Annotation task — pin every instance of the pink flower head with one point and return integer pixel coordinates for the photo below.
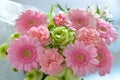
(107, 32)
(29, 19)
(41, 33)
(51, 62)
(80, 18)
(88, 36)
(59, 19)
(105, 59)
(81, 58)
(23, 53)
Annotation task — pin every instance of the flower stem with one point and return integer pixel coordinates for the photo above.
(44, 76)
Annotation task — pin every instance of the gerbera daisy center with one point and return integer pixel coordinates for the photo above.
(82, 22)
(26, 53)
(103, 29)
(80, 57)
(31, 23)
(99, 57)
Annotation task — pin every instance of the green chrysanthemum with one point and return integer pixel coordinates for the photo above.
(13, 36)
(70, 76)
(3, 50)
(52, 78)
(62, 36)
(34, 75)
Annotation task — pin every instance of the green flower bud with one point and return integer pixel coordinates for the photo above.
(61, 36)
(15, 70)
(13, 36)
(3, 50)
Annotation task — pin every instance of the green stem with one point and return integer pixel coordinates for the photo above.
(44, 76)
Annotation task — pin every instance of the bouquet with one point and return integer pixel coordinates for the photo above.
(65, 46)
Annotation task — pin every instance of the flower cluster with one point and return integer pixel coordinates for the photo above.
(64, 46)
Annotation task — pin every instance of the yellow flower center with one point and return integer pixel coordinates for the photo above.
(79, 22)
(99, 57)
(102, 29)
(31, 23)
(80, 58)
(26, 54)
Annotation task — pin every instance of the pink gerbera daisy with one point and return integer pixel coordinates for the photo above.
(29, 19)
(23, 53)
(88, 36)
(107, 32)
(105, 59)
(51, 62)
(80, 18)
(41, 32)
(81, 58)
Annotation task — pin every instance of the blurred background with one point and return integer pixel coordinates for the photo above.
(10, 9)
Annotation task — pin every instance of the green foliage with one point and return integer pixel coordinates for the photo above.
(98, 10)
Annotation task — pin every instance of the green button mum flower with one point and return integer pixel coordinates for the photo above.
(13, 36)
(70, 76)
(52, 78)
(34, 75)
(3, 50)
(62, 36)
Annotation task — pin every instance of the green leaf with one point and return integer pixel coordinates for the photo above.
(98, 10)
(51, 14)
(58, 5)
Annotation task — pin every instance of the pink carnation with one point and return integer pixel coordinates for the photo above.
(81, 58)
(59, 19)
(105, 59)
(88, 36)
(29, 19)
(41, 33)
(51, 62)
(80, 18)
(23, 53)
(107, 32)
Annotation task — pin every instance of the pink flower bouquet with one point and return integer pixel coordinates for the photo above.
(64, 46)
